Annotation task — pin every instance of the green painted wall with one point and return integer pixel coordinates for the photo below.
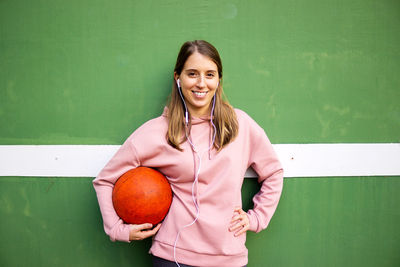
(307, 71)
(90, 72)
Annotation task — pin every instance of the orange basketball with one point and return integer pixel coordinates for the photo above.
(142, 195)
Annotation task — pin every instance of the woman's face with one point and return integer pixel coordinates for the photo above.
(199, 80)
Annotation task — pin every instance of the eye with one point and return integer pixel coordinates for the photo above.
(192, 74)
(210, 75)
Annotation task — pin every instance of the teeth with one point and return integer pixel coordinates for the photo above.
(199, 93)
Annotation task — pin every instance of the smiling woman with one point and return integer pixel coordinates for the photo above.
(204, 147)
(198, 81)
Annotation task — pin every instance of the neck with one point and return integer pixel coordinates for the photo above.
(200, 113)
(205, 111)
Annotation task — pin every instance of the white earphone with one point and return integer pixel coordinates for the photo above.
(178, 82)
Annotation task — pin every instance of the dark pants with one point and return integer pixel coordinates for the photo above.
(159, 262)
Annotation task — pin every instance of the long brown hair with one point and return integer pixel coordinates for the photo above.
(224, 117)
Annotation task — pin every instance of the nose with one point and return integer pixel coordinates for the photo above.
(201, 82)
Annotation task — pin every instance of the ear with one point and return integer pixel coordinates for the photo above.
(176, 77)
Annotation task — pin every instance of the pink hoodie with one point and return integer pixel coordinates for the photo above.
(208, 241)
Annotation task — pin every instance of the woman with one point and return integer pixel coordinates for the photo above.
(204, 147)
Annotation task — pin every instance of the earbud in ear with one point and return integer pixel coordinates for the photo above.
(178, 82)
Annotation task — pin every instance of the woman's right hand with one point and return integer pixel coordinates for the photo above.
(142, 231)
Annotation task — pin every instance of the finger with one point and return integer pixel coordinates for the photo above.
(243, 218)
(155, 230)
(238, 215)
(238, 210)
(144, 226)
(235, 227)
(242, 231)
(241, 222)
(148, 233)
(235, 219)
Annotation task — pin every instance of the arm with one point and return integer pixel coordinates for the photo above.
(265, 163)
(124, 159)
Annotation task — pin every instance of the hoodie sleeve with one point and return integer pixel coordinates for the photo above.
(124, 159)
(265, 163)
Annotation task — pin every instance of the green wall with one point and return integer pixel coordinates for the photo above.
(90, 72)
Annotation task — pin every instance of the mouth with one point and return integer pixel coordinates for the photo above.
(200, 93)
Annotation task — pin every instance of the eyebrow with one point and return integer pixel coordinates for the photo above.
(197, 70)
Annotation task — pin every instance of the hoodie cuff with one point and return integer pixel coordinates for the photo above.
(253, 221)
(121, 233)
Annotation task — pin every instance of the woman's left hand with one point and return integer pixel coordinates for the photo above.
(240, 222)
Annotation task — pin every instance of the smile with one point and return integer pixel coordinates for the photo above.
(199, 94)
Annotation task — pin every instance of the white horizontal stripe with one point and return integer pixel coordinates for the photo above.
(298, 160)
(318, 160)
